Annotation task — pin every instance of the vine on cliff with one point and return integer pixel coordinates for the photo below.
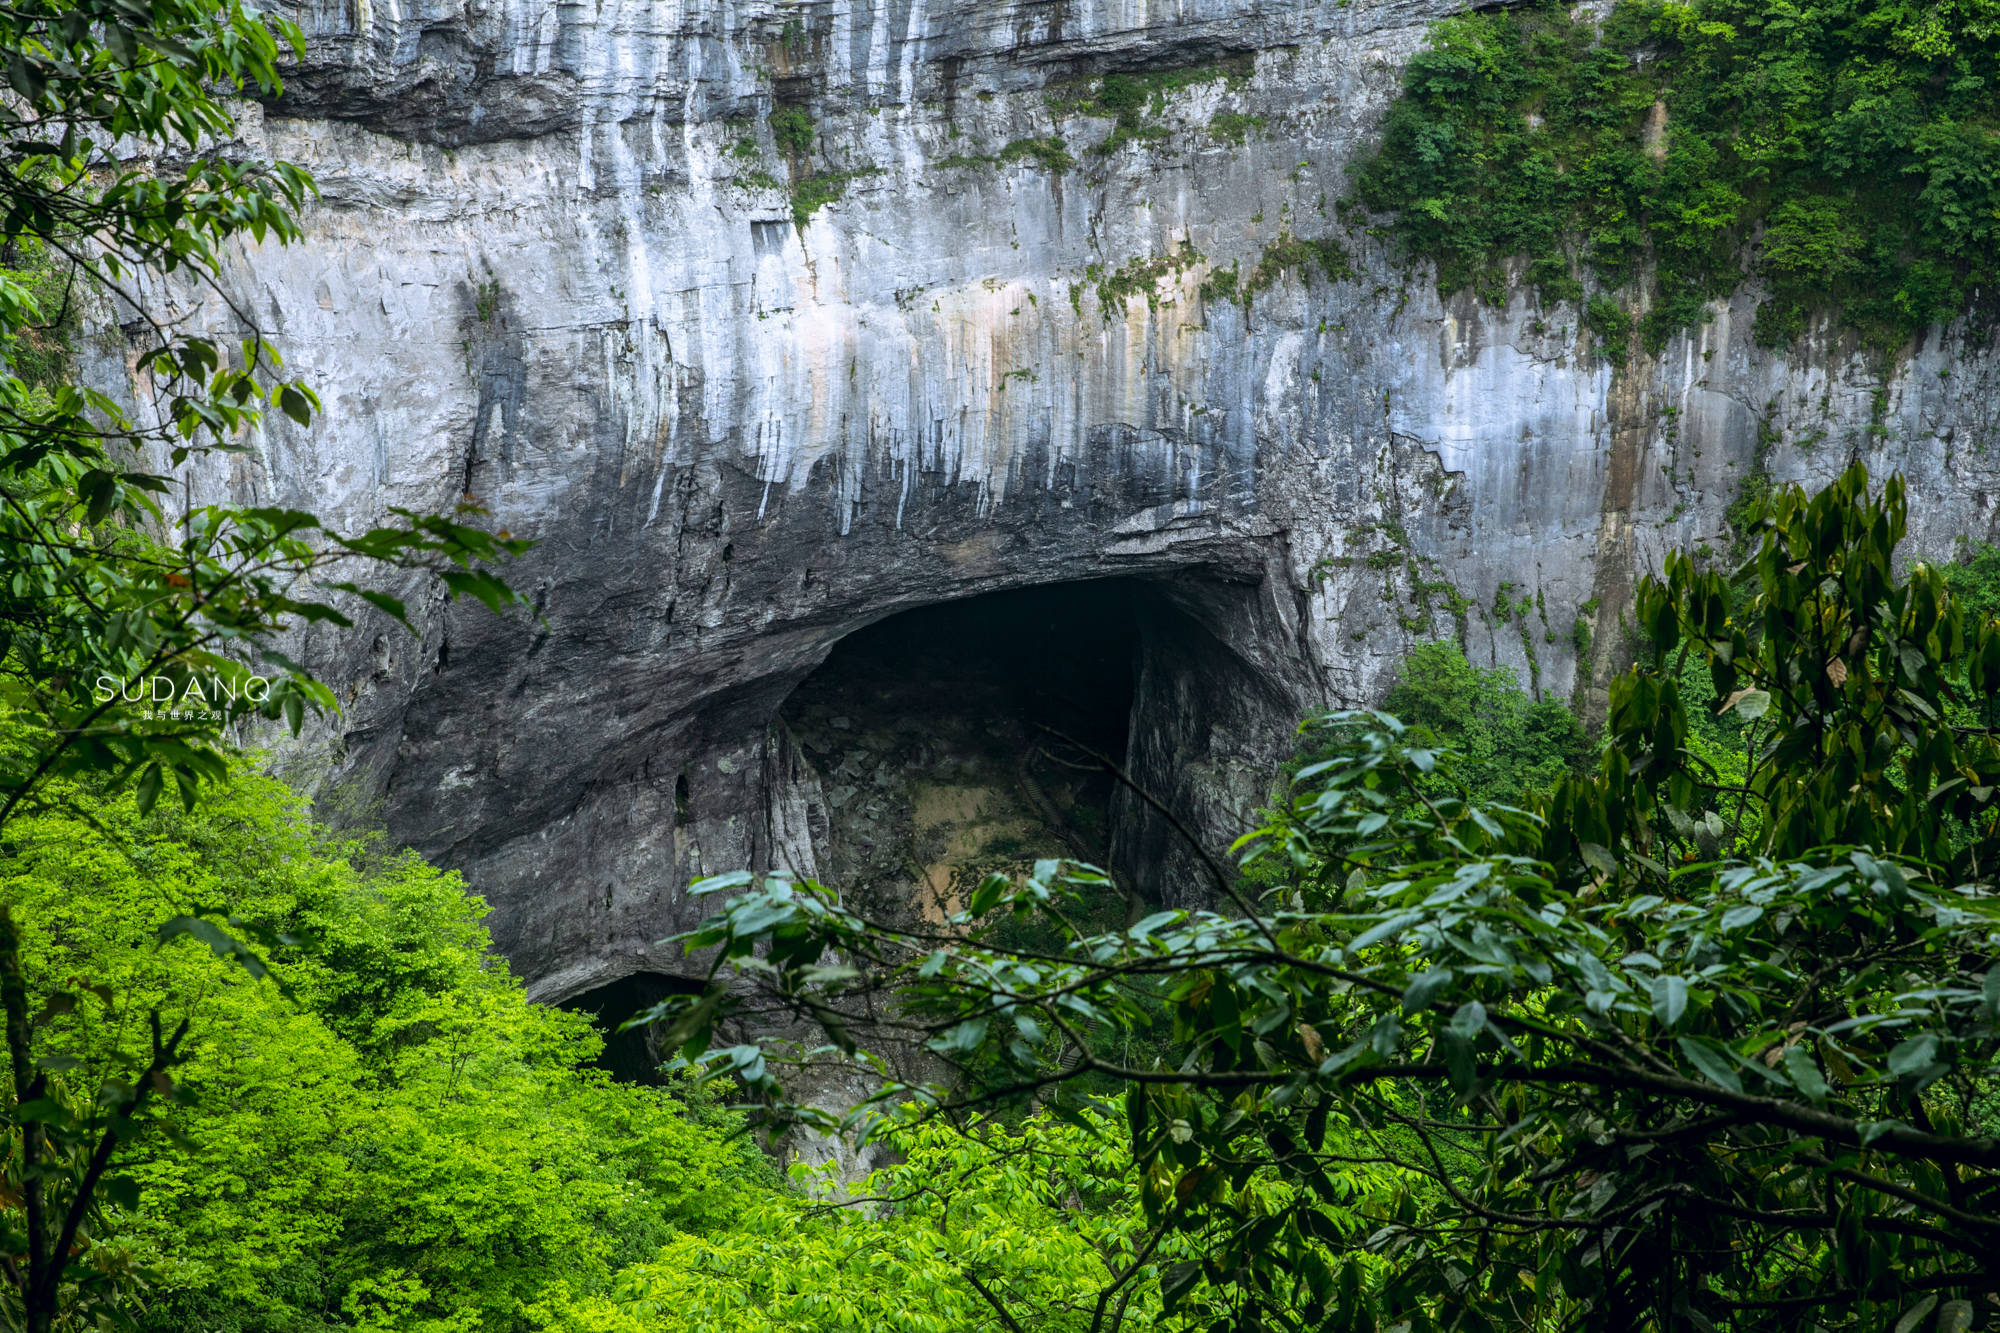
(1846, 153)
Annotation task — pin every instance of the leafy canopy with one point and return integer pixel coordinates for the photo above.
(116, 177)
(981, 1227)
(1509, 746)
(1842, 151)
(397, 1139)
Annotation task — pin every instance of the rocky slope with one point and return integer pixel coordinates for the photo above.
(770, 320)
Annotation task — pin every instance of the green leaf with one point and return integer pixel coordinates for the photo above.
(27, 77)
(1382, 930)
(1747, 704)
(1916, 1314)
(1736, 918)
(1714, 1064)
(1469, 1021)
(150, 783)
(1670, 999)
(1913, 1056)
(1599, 859)
(1875, 1129)
(1176, 1282)
(99, 491)
(295, 405)
(987, 896)
(1805, 1074)
(1424, 988)
(1459, 1062)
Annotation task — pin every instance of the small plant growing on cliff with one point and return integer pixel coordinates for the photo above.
(1232, 127)
(792, 130)
(1579, 632)
(811, 193)
(1288, 252)
(1050, 153)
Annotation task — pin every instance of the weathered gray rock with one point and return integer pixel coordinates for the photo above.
(544, 269)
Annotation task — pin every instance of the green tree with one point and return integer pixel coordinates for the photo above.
(1854, 682)
(1617, 1085)
(108, 598)
(1510, 747)
(397, 1139)
(1842, 151)
(978, 1227)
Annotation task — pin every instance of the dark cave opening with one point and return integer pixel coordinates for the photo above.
(943, 743)
(957, 739)
(633, 1056)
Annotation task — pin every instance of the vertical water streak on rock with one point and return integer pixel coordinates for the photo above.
(1628, 423)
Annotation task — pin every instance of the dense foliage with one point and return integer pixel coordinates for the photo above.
(396, 1139)
(1606, 1075)
(1842, 151)
(1509, 746)
(131, 634)
(1860, 690)
(1039, 1227)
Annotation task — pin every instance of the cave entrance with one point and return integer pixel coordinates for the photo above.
(634, 1056)
(959, 739)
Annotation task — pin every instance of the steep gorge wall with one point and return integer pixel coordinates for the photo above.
(556, 263)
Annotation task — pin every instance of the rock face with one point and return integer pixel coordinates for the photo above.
(757, 383)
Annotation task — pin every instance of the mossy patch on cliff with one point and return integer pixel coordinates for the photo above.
(812, 192)
(1048, 152)
(1135, 101)
(1233, 127)
(1140, 277)
(792, 130)
(1844, 152)
(1326, 254)
(33, 273)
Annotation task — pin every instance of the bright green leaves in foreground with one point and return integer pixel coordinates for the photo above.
(386, 1136)
(1854, 142)
(396, 1139)
(1583, 1073)
(1039, 1227)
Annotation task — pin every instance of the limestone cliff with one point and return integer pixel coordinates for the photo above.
(755, 383)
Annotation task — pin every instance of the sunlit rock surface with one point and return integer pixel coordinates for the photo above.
(555, 264)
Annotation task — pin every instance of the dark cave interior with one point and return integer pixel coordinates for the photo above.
(632, 1056)
(947, 742)
(960, 738)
